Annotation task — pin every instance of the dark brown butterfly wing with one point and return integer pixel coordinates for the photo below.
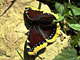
(35, 41)
(51, 31)
(37, 17)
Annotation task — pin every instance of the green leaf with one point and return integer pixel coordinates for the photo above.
(73, 9)
(59, 19)
(59, 7)
(79, 57)
(76, 10)
(79, 41)
(75, 40)
(70, 13)
(74, 26)
(67, 54)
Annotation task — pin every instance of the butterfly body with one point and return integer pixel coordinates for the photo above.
(42, 29)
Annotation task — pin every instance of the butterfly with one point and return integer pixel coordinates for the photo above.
(42, 29)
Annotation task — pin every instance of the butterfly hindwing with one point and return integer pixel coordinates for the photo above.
(35, 41)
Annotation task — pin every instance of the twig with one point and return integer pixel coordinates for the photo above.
(8, 8)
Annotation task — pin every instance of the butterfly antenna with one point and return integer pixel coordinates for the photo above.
(8, 8)
(39, 7)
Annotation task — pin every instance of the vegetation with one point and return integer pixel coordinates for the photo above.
(69, 18)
